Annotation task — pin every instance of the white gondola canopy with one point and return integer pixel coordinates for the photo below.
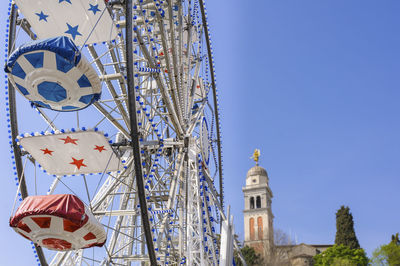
(72, 153)
(84, 21)
(53, 74)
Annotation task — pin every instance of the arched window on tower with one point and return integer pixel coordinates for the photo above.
(258, 202)
(251, 202)
(260, 228)
(252, 233)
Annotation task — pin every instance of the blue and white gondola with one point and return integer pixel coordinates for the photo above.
(53, 74)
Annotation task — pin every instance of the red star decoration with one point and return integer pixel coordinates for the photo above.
(78, 163)
(69, 140)
(46, 151)
(99, 148)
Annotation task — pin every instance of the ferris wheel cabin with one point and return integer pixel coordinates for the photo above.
(53, 74)
(58, 222)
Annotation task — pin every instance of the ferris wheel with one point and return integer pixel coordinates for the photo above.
(114, 132)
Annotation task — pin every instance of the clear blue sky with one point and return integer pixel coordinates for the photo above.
(315, 85)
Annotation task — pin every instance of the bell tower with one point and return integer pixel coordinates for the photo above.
(258, 217)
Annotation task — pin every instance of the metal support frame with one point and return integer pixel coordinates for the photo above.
(135, 134)
(195, 234)
(227, 232)
(176, 187)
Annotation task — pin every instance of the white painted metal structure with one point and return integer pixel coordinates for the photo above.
(176, 117)
(227, 238)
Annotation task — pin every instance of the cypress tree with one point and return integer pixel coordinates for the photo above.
(345, 229)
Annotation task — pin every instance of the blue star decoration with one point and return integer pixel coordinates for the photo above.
(42, 16)
(73, 31)
(60, 1)
(94, 8)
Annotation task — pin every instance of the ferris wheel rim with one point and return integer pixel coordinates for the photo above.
(14, 126)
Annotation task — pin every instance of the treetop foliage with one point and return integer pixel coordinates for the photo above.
(345, 234)
(341, 255)
(395, 239)
(388, 254)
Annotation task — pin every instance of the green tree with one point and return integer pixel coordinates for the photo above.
(345, 234)
(388, 254)
(250, 256)
(341, 255)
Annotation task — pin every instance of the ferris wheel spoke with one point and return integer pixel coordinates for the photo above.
(109, 189)
(185, 54)
(110, 118)
(155, 107)
(208, 205)
(109, 85)
(117, 226)
(180, 46)
(117, 62)
(171, 68)
(154, 102)
(172, 195)
(49, 122)
(176, 69)
(170, 105)
(196, 118)
(192, 84)
(190, 81)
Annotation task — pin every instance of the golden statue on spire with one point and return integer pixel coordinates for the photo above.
(256, 155)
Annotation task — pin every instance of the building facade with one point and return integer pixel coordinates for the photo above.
(258, 225)
(258, 217)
